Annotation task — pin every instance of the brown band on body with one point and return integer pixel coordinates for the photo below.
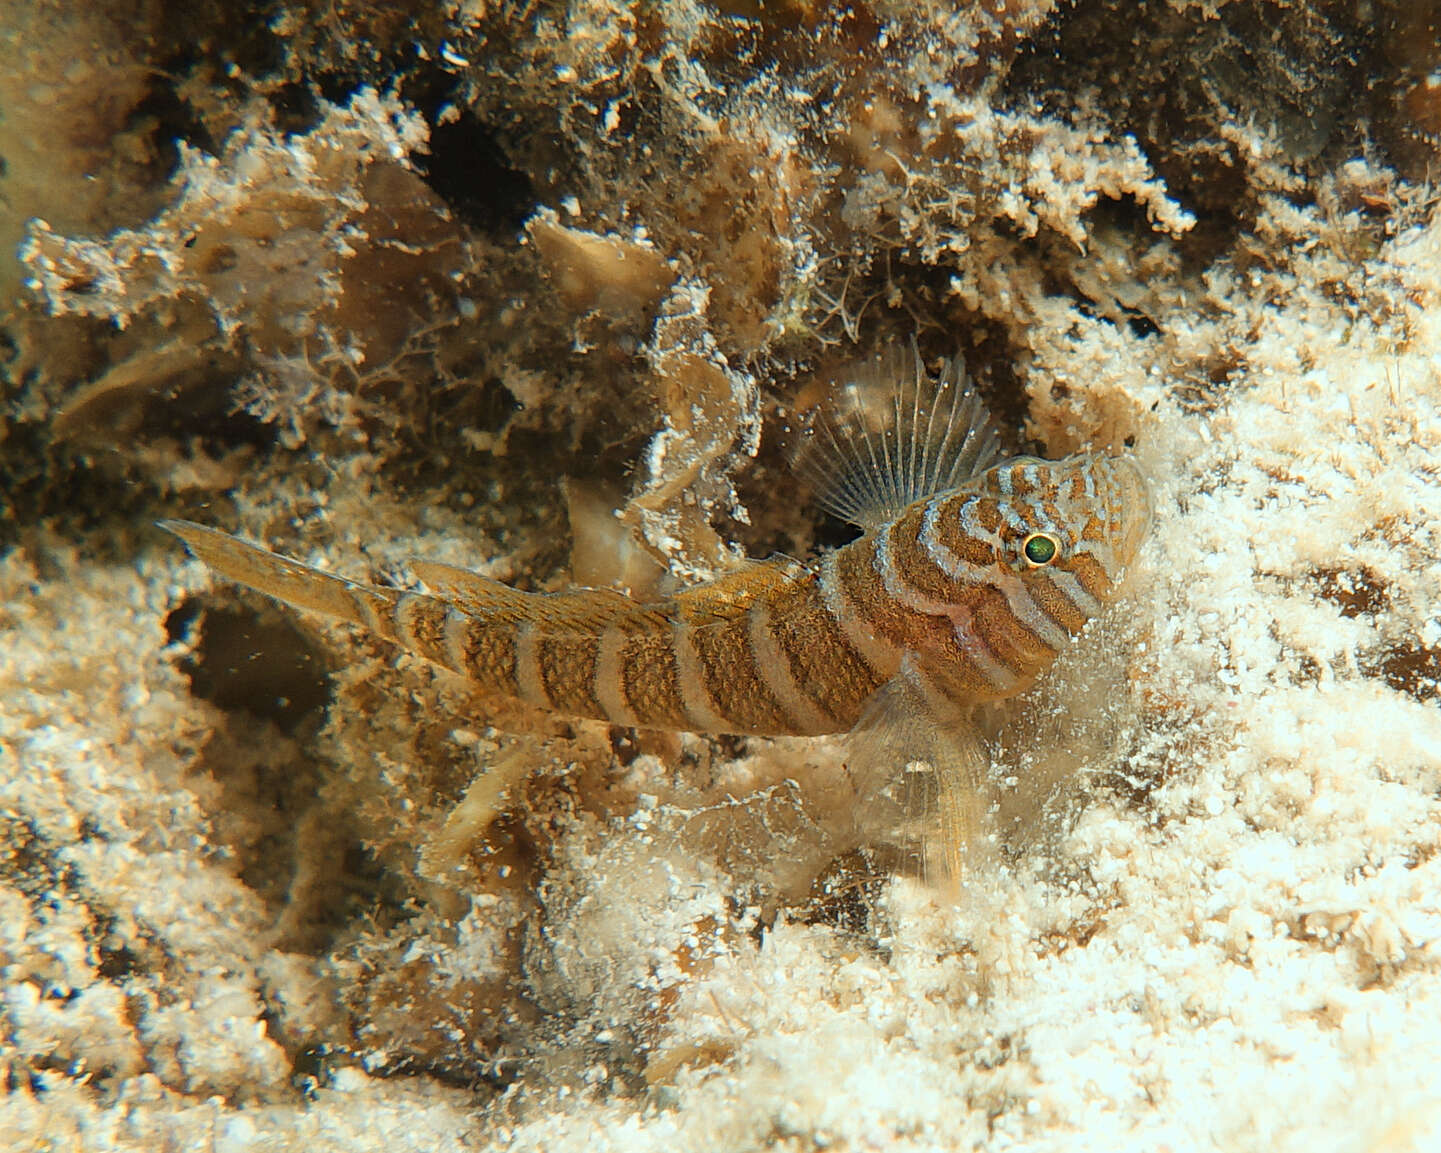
(567, 672)
(740, 693)
(914, 566)
(649, 682)
(822, 661)
(488, 649)
(1056, 605)
(864, 589)
(1014, 645)
(972, 549)
(1092, 575)
(420, 626)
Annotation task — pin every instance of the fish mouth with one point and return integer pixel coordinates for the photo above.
(1137, 507)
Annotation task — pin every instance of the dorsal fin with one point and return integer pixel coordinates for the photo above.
(469, 590)
(733, 594)
(895, 435)
(573, 611)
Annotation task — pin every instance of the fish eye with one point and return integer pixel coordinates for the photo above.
(1040, 548)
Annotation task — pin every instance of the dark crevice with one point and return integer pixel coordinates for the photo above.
(256, 662)
(467, 169)
(297, 107)
(168, 119)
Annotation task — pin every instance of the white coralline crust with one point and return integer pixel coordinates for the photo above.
(416, 920)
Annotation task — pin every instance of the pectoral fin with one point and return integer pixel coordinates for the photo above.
(922, 773)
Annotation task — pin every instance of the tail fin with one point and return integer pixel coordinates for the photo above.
(289, 581)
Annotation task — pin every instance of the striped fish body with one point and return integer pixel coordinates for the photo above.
(777, 648)
(968, 580)
(755, 652)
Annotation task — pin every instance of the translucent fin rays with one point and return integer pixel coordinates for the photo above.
(896, 435)
(921, 771)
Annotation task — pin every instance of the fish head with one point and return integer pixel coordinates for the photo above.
(1070, 529)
